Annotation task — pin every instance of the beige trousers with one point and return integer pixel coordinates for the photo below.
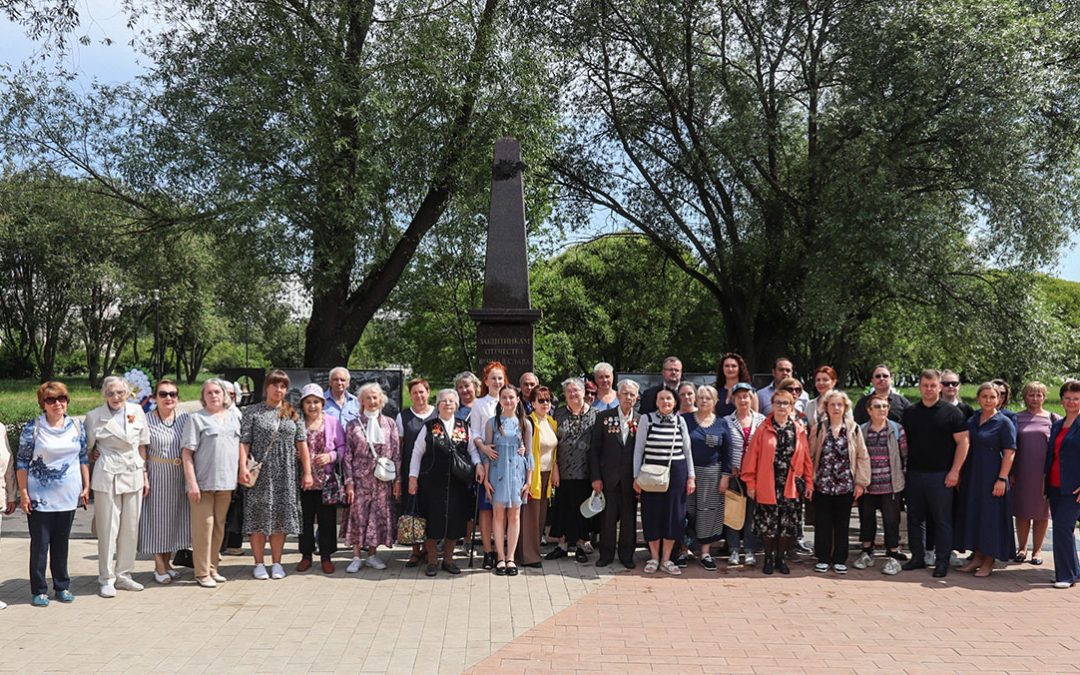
(208, 529)
(117, 520)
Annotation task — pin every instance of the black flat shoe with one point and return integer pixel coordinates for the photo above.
(511, 569)
(489, 561)
(941, 569)
(628, 563)
(451, 568)
(581, 556)
(913, 564)
(1036, 561)
(500, 569)
(603, 562)
(556, 553)
(413, 561)
(431, 570)
(781, 566)
(767, 566)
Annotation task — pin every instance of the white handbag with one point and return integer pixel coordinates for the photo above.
(384, 466)
(656, 477)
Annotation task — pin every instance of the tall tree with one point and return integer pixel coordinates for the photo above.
(824, 160)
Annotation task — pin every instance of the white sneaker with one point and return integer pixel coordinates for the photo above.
(3, 605)
(354, 566)
(374, 562)
(954, 560)
(734, 559)
(930, 559)
(107, 591)
(749, 558)
(260, 572)
(840, 568)
(821, 567)
(128, 584)
(891, 566)
(277, 571)
(863, 561)
(1062, 584)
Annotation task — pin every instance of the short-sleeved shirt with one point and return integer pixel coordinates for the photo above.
(215, 449)
(930, 429)
(834, 468)
(52, 459)
(710, 445)
(995, 435)
(343, 413)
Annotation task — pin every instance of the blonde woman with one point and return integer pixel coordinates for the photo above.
(841, 474)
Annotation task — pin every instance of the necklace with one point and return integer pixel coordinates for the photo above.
(167, 425)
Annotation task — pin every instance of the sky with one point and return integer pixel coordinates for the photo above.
(118, 62)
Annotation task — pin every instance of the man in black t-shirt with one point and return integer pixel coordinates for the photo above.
(937, 440)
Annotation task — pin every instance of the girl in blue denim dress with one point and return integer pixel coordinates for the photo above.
(508, 475)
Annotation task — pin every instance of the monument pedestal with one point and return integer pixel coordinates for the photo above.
(504, 325)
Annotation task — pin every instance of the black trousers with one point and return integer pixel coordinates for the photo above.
(312, 509)
(50, 532)
(928, 499)
(234, 521)
(621, 511)
(565, 511)
(889, 505)
(832, 513)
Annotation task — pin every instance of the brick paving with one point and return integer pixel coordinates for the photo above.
(746, 622)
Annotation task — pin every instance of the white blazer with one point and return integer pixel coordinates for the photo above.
(119, 468)
(8, 491)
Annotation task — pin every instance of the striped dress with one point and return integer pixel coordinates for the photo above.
(662, 439)
(165, 524)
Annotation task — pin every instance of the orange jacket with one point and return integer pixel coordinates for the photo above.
(757, 464)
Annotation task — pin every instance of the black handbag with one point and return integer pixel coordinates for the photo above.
(461, 466)
(183, 558)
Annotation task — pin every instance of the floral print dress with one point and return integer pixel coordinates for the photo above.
(780, 519)
(370, 521)
(272, 505)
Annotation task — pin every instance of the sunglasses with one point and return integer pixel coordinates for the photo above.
(168, 394)
(53, 400)
(950, 384)
(794, 390)
(542, 400)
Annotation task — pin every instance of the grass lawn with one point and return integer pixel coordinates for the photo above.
(18, 398)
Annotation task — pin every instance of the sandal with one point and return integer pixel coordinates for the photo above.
(414, 559)
(671, 568)
(1036, 561)
(500, 569)
(1020, 557)
(511, 568)
(651, 566)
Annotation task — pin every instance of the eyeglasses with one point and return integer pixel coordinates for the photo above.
(880, 406)
(950, 384)
(53, 400)
(168, 394)
(115, 394)
(882, 376)
(782, 404)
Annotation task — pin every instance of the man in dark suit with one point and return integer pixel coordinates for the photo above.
(611, 468)
(671, 372)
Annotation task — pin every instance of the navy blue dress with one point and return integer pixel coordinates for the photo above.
(984, 523)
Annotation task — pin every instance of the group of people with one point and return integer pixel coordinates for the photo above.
(507, 460)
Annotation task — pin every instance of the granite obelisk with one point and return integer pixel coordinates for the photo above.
(504, 325)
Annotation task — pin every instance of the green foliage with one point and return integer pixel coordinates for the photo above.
(816, 166)
(613, 300)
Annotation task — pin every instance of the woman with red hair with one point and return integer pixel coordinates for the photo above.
(492, 380)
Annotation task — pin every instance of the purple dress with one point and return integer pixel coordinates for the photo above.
(370, 521)
(1032, 438)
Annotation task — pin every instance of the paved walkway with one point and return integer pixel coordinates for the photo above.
(568, 618)
(745, 622)
(396, 620)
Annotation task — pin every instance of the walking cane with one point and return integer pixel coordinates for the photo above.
(472, 533)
